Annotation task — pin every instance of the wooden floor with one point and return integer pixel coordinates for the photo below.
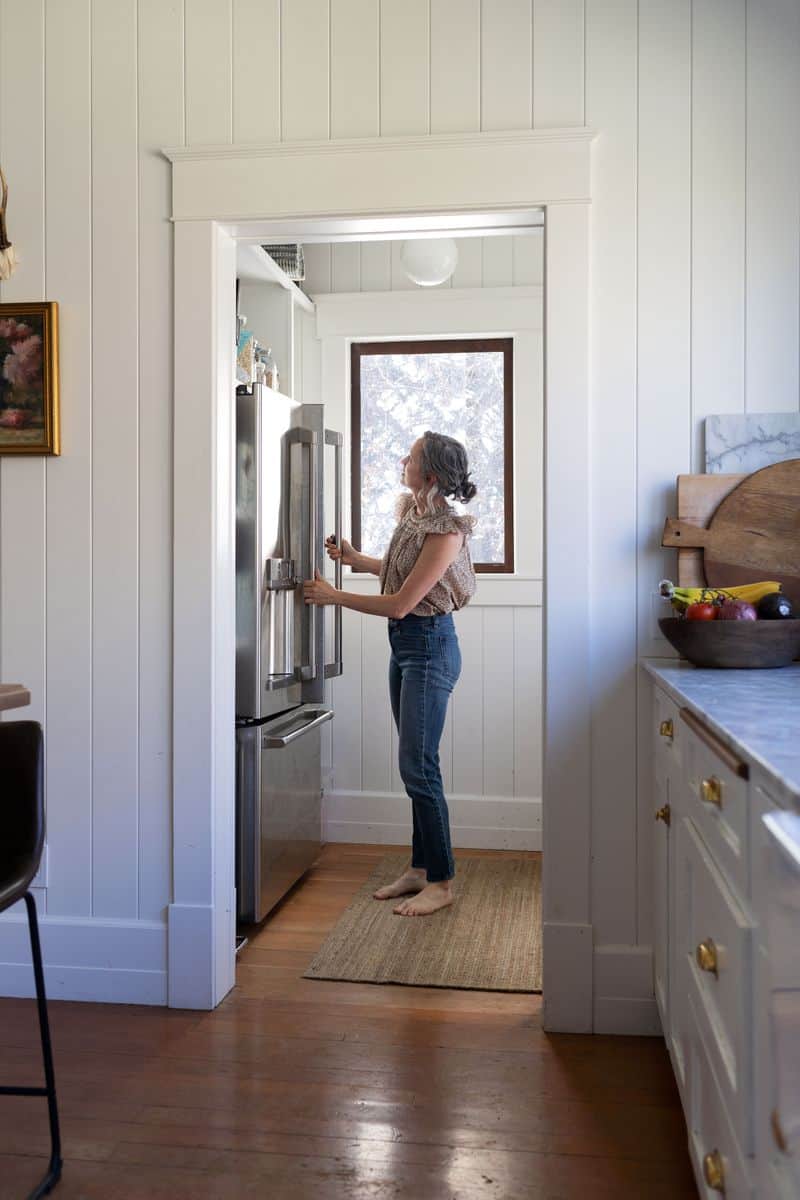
(298, 1088)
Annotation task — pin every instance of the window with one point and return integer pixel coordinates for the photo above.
(462, 388)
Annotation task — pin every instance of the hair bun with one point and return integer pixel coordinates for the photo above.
(468, 491)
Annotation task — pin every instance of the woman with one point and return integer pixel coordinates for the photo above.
(425, 575)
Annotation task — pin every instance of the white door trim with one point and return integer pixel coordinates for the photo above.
(448, 176)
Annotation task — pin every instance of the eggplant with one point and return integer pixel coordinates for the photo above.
(774, 607)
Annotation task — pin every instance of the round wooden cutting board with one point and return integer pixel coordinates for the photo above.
(754, 534)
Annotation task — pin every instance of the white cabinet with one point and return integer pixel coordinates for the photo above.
(711, 967)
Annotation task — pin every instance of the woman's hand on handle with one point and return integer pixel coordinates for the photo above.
(318, 591)
(350, 557)
(345, 552)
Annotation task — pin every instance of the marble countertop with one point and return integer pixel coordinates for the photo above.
(13, 695)
(755, 713)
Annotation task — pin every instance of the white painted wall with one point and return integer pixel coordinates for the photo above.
(483, 262)
(491, 750)
(696, 245)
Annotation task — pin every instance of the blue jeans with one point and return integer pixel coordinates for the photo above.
(423, 670)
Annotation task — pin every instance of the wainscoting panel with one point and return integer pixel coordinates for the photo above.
(491, 747)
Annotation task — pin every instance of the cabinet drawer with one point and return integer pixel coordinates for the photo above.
(719, 1165)
(714, 957)
(716, 784)
(666, 733)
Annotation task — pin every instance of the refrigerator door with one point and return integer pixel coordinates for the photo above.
(279, 818)
(267, 547)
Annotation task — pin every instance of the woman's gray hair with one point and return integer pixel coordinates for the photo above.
(446, 459)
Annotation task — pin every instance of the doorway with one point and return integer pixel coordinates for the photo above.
(449, 185)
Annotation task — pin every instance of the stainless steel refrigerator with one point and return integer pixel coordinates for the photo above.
(282, 661)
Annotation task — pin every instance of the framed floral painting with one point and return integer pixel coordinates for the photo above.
(29, 418)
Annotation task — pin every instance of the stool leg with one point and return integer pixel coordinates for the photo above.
(54, 1167)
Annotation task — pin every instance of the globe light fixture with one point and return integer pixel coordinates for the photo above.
(429, 261)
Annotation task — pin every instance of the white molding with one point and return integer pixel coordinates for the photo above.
(626, 1015)
(468, 312)
(566, 788)
(202, 958)
(476, 822)
(481, 174)
(378, 145)
(624, 1000)
(567, 971)
(104, 961)
(447, 174)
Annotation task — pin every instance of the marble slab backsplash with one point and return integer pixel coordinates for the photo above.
(746, 442)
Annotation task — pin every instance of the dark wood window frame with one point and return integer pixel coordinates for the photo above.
(440, 346)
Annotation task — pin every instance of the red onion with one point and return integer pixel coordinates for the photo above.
(737, 610)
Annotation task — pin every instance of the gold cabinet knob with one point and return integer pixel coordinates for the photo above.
(714, 1171)
(711, 791)
(663, 814)
(666, 730)
(706, 955)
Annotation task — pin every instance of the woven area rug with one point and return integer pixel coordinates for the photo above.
(490, 937)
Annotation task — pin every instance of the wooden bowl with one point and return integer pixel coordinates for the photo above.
(734, 644)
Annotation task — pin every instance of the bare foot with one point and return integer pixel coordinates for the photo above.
(431, 898)
(412, 880)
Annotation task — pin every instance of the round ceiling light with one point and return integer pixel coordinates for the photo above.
(428, 261)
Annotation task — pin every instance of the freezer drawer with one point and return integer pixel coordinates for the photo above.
(278, 806)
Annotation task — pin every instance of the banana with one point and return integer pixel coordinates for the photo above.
(681, 598)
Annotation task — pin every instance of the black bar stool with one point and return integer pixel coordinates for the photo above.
(21, 842)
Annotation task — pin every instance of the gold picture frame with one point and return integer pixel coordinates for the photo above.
(29, 412)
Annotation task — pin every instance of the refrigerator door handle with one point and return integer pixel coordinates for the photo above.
(332, 438)
(303, 722)
(308, 438)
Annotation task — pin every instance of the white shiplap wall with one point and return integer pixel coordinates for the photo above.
(491, 750)
(696, 243)
(375, 266)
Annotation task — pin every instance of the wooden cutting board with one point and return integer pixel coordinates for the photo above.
(753, 534)
(697, 499)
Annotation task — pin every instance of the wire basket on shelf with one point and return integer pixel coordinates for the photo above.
(289, 257)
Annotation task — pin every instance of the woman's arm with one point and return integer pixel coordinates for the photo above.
(438, 551)
(363, 562)
(353, 558)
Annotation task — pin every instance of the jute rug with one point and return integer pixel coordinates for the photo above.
(489, 938)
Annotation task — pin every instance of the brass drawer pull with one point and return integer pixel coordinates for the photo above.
(663, 814)
(667, 730)
(735, 765)
(711, 791)
(777, 1131)
(714, 1172)
(706, 955)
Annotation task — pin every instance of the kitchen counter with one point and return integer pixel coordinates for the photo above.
(755, 713)
(13, 695)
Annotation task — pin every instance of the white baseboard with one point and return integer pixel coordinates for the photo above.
(624, 1000)
(476, 822)
(624, 1015)
(567, 952)
(105, 961)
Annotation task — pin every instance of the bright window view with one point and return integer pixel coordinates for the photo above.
(460, 388)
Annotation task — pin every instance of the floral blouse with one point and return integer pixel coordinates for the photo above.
(457, 586)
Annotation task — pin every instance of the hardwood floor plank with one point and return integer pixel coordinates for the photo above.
(302, 1088)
